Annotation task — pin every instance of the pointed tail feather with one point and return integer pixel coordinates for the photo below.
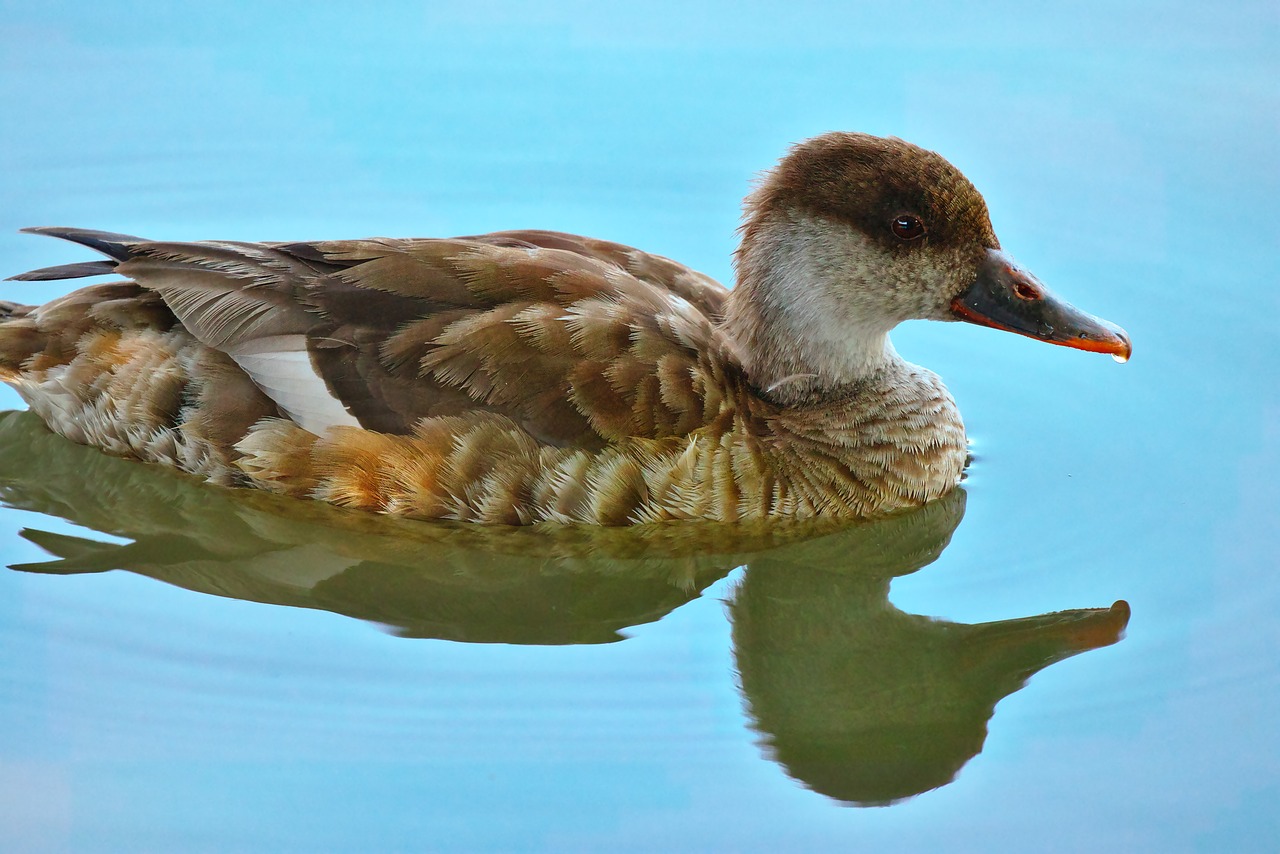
(75, 554)
(67, 271)
(117, 246)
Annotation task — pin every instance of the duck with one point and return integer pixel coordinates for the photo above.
(535, 377)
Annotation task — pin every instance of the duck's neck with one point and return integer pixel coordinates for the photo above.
(795, 315)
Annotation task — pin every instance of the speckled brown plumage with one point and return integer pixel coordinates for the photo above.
(526, 377)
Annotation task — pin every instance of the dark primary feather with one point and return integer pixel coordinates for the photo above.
(67, 271)
(109, 243)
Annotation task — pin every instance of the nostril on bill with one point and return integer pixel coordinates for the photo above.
(1025, 291)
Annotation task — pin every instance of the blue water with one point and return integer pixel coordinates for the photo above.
(246, 683)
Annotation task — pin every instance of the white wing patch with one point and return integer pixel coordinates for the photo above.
(281, 366)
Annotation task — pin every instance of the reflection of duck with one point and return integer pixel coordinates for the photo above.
(869, 705)
(859, 700)
(530, 376)
(458, 582)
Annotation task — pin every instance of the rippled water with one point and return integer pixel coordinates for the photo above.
(186, 668)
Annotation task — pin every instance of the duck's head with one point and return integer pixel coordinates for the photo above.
(851, 234)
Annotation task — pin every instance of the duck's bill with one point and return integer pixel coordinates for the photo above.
(1004, 296)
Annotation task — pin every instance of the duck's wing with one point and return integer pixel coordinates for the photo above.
(580, 342)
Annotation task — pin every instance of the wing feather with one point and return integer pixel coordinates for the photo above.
(581, 342)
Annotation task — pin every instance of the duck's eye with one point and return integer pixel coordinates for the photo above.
(907, 227)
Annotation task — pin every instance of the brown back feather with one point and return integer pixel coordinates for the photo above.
(580, 342)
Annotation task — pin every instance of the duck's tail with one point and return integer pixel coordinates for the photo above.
(13, 309)
(20, 335)
(115, 246)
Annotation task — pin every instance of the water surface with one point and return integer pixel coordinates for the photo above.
(190, 669)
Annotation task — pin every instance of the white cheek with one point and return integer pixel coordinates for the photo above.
(825, 268)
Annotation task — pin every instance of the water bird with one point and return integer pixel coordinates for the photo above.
(523, 377)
